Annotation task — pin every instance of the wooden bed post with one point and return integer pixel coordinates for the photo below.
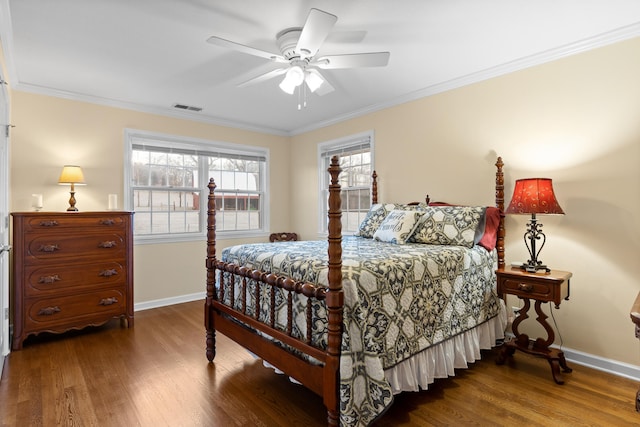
(374, 188)
(211, 272)
(334, 300)
(500, 205)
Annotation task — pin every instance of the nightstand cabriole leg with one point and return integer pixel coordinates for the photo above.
(522, 315)
(542, 319)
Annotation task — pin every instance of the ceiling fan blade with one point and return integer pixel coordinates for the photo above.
(325, 87)
(245, 49)
(355, 36)
(315, 31)
(263, 77)
(374, 59)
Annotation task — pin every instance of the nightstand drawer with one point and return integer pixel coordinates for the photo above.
(546, 287)
(528, 289)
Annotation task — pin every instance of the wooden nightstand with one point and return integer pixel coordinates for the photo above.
(541, 287)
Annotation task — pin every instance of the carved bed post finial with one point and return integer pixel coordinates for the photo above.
(211, 271)
(374, 188)
(500, 205)
(334, 298)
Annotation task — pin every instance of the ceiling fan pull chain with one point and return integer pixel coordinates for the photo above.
(304, 95)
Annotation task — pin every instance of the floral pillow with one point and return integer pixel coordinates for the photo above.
(397, 226)
(378, 212)
(448, 225)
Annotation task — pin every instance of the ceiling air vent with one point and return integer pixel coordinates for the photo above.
(186, 107)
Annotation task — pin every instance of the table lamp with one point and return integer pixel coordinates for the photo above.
(534, 196)
(71, 175)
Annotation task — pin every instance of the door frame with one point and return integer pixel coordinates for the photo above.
(5, 336)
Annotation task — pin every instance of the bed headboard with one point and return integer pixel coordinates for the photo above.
(499, 203)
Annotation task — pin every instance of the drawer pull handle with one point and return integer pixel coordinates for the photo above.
(48, 223)
(48, 311)
(108, 301)
(108, 273)
(49, 279)
(48, 248)
(108, 221)
(526, 287)
(107, 244)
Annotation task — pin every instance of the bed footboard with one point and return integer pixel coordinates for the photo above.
(243, 323)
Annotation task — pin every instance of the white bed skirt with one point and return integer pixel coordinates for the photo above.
(441, 360)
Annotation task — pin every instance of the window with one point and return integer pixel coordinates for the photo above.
(356, 160)
(168, 179)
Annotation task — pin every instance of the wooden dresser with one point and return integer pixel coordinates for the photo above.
(70, 270)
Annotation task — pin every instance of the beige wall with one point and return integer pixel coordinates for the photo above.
(50, 132)
(575, 120)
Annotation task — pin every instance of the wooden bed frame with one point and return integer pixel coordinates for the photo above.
(240, 326)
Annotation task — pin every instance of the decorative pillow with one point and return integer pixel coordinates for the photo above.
(378, 212)
(487, 232)
(398, 226)
(448, 225)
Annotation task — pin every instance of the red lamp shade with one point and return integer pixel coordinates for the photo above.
(534, 196)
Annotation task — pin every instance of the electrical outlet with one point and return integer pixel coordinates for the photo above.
(515, 311)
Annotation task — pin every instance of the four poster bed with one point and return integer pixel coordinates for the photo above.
(358, 319)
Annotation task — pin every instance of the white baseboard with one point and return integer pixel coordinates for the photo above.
(600, 363)
(169, 301)
(574, 356)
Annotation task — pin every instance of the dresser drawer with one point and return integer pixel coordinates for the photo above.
(58, 246)
(52, 279)
(68, 221)
(49, 313)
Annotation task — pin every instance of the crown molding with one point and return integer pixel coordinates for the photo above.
(601, 40)
(167, 112)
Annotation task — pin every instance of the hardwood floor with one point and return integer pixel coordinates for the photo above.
(156, 374)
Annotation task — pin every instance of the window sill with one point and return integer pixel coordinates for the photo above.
(200, 237)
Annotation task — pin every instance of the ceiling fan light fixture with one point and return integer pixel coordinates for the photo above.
(287, 87)
(313, 81)
(295, 75)
(293, 79)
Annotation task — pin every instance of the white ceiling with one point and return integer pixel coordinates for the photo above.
(151, 54)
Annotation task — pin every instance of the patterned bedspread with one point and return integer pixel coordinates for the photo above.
(399, 300)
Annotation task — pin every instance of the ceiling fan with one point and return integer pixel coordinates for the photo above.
(298, 49)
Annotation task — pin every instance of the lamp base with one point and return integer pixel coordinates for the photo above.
(534, 268)
(532, 234)
(72, 201)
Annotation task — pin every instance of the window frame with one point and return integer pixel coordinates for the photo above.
(338, 144)
(166, 141)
